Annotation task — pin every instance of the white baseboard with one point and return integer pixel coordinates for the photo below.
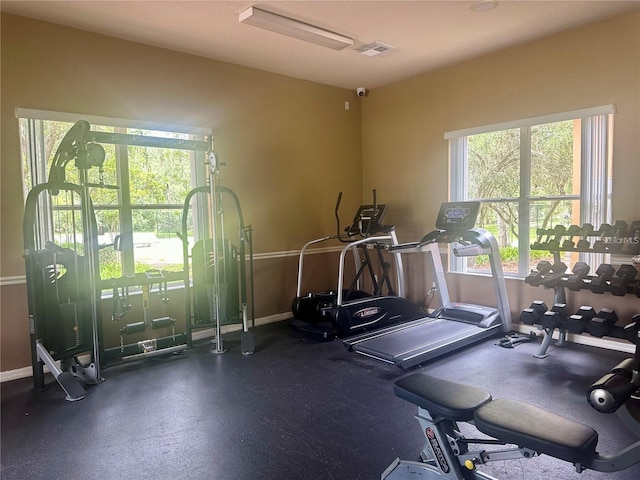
(17, 374)
(25, 372)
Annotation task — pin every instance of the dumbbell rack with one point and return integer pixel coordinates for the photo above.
(621, 238)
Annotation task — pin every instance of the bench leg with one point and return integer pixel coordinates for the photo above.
(442, 456)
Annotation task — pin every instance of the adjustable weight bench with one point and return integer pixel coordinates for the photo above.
(532, 430)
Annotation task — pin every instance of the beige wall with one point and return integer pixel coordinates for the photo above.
(290, 144)
(406, 157)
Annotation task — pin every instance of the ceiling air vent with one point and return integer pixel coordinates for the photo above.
(376, 49)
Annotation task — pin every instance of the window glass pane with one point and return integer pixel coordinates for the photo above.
(66, 220)
(549, 213)
(555, 165)
(155, 240)
(108, 229)
(158, 175)
(49, 135)
(501, 220)
(494, 165)
(542, 168)
(550, 220)
(138, 194)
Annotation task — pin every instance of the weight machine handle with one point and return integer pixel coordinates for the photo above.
(610, 392)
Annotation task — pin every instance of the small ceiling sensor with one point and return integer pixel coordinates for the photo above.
(484, 5)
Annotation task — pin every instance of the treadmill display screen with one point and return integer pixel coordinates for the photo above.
(457, 215)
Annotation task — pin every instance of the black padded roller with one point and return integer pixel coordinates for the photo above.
(610, 392)
(162, 322)
(131, 328)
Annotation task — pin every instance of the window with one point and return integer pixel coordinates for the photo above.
(137, 194)
(533, 174)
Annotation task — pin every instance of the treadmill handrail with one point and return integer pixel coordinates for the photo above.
(472, 250)
(476, 237)
(486, 238)
(410, 246)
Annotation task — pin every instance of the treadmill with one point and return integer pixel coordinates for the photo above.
(454, 325)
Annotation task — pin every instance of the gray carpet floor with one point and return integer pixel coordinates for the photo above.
(295, 409)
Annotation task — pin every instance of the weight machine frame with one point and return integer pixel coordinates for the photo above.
(218, 290)
(81, 145)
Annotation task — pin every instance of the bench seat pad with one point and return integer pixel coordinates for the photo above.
(531, 427)
(442, 398)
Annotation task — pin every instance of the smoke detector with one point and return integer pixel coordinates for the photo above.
(376, 49)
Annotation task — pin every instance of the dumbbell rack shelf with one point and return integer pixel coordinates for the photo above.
(621, 238)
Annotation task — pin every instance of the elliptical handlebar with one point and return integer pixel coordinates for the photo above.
(338, 233)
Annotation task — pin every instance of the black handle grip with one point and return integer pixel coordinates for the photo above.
(338, 202)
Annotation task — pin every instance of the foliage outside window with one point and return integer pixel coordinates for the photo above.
(143, 213)
(530, 175)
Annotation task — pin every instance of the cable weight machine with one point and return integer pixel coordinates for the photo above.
(216, 293)
(62, 292)
(63, 282)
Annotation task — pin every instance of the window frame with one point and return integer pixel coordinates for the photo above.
(595, 174)
(39, 170)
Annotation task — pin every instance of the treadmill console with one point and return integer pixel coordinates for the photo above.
(456, 216)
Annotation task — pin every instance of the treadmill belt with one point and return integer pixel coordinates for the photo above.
(421, 340)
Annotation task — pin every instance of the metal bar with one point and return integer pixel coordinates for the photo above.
(148, 141)
(301, 260)
(381, 239)
(214, 186)
(90, 246)
(486, 239)
(154, 353)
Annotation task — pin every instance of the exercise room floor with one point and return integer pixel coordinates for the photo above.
(294, 410)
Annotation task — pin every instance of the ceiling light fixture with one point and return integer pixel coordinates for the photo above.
(294, 28)
(484, 5)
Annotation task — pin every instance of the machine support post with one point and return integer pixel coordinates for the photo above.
(216, 290)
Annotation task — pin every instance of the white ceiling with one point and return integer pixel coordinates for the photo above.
(427, 34)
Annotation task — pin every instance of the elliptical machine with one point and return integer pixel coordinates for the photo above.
(344, 311)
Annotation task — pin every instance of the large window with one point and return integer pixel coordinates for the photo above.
(530, 176)
(137, 195)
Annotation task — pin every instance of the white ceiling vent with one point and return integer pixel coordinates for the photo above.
(376, 49)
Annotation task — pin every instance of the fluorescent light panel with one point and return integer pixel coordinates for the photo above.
(294, 28)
